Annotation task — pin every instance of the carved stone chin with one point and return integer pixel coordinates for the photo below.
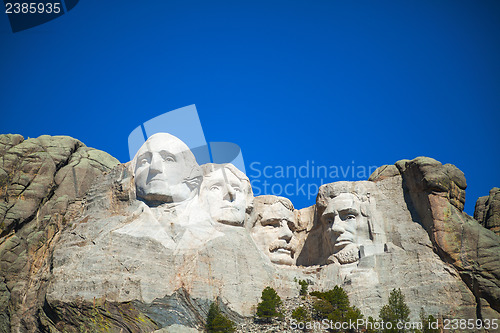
(348, 255)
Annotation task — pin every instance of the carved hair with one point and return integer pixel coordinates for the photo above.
(270, 200)
(212, 167)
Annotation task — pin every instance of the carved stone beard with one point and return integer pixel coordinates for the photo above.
(348, 255)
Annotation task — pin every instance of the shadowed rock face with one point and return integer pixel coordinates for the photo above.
(487, 210)
(79, 251)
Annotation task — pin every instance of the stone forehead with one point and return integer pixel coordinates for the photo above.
(217, 174)
(328, 191)
(275, 211)
(271, 200)
(163, 141)
(345, 200)
(209, 169)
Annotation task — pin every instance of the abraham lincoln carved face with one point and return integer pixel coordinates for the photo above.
(348, 223)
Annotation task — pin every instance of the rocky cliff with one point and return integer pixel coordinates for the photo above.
(89, 244)
(42, 185)
(487, 211)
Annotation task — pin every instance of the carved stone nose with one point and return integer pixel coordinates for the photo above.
(229, 193)
(337, 226)
(285, 232)
(156, 164)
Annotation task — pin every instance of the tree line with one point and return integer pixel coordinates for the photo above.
(331, 306)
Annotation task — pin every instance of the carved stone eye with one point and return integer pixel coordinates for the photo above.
(214, 188)
(167, 157)
(328, 219)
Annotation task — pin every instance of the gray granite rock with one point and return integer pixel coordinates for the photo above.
(437, 193)
(42, 183)
(487, 210)
(385, 171)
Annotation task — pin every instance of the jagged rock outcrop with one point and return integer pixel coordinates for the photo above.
(436, 196)
(487, 210)
(42, 184)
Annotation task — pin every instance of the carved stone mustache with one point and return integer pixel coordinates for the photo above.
(281, 245)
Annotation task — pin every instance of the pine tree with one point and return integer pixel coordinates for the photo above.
(303, 287)
(217, 322)
(300, 314)
(322, 309)
(268, 308)
(334, 305)
(395, 311)
(428, 323)
(338, 299)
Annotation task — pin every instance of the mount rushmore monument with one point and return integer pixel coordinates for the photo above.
(90, 244)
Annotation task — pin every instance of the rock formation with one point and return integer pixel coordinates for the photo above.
(88, 244)
(487, 210)
(43, 182)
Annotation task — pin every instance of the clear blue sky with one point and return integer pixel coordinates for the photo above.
(331, 81)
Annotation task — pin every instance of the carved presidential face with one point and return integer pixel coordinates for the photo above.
(272, 232)
(163, 166)
(343, 218)
(225, 196)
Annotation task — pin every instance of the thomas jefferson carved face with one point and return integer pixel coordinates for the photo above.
(165, 170)
(225, 193)
(272, 231)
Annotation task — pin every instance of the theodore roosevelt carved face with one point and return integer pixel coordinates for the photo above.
(165, 170)
(225, 193)
(272, 229)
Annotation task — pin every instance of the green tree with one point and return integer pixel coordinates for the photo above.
(300, 314)
(338, 298)
(334, 305)
(371, 325)
(353, 314)
(303, 287)
(217, 322)
(269, 307)
(428, 323)
(395, 311)
(322, 308)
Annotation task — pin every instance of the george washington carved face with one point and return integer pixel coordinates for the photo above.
(165, 170)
